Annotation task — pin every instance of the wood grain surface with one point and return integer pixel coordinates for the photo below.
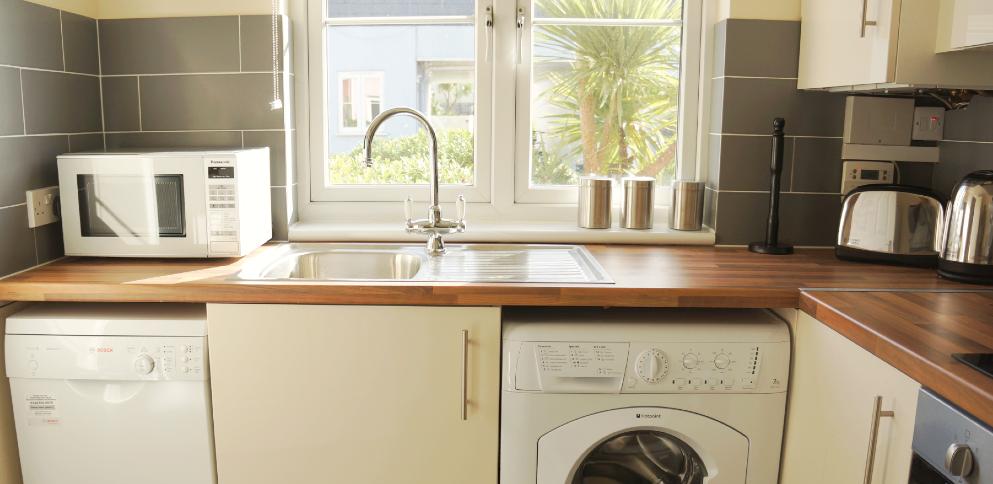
(917, 333)
(644, 277)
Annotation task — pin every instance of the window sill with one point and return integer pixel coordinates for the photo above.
(558, 233)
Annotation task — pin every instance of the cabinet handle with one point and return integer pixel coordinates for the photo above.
(877, 414)
(464, 403)
(865, 23)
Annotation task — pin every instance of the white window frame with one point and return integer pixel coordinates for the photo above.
(351, 197)
(363, 113)
(495, 197)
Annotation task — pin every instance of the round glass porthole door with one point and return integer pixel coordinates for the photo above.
(641, 457)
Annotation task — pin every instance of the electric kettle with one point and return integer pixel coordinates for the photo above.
(967, 245)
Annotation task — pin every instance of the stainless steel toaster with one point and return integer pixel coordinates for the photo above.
(894, 224)
(967, 246)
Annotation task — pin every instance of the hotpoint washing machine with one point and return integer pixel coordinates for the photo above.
(643, 396)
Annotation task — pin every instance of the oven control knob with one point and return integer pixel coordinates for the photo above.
(653, 365)
(958, 460)
(144, 364)
(722, 361)
(690, 361)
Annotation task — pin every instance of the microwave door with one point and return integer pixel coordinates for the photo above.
(124, 206)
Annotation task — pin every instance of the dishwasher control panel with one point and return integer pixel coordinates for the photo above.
(123, 358)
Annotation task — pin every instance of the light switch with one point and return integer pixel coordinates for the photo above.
(929, 124)
(42, 206)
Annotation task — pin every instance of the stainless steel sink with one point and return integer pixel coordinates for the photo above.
(395, 262)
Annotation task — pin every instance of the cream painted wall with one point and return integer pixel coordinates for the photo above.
(760, 9)
(159, 8)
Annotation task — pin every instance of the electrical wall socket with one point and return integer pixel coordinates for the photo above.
(41, 206)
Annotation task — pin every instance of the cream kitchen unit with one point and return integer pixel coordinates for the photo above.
(355, 393)
(852, 45)
(851, 415)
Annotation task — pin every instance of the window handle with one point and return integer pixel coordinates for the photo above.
(521, 20)
(408, 210)
(460, 209)
(488, 21)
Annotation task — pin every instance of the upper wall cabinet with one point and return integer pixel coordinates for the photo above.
(864, 45)
(965, 24)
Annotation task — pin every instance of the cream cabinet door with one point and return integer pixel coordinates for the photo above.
(839, 46)
(830, 414)
(354, 394)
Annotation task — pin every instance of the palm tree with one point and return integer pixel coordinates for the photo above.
(613, 89)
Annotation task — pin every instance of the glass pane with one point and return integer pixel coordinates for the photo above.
(404, 8)
(612, 9)
(402, 66)
(641, 457)
(605, 98)
(127, 206)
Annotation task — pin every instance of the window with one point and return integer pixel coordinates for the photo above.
(361, 96)
(605, 87)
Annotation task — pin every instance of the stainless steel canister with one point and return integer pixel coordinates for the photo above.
(594, 202)
(686, 212)
(637, 211)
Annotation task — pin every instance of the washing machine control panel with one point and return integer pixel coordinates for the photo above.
(653, 367)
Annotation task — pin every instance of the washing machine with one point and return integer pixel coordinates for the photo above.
(617, 396)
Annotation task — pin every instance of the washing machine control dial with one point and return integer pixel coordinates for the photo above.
(722, 361)
(652, 365)
(144, 364)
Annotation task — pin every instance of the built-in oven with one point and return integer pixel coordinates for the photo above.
(165, 203)
(950, 446)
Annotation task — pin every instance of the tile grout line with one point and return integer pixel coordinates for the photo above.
(260, 130)
(39, 69)
(241, 67)
(141, 126)
(966, 141)
(811, 136)
(69, 142)
(103, 114)
(793, 165)
(24, 112)
(22, 204)
(34, 239)
(242, 138)
(62, 41)
(756, 77)
(165, 74)
(39, 135)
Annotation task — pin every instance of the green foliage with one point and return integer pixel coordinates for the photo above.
(616, 101)
(406, 160)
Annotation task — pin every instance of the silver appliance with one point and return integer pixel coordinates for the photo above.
(638, 207)
(686, 212)
(894, 224)
(594, 202)
(950, 446)
(967, 246)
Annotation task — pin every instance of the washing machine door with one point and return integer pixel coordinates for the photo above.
(643, 445)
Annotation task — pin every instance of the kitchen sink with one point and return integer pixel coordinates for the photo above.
(569, 264)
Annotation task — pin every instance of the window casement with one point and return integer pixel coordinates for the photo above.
(526, 96)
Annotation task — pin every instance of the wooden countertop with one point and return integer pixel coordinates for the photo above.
(917, 333)
(644, 277)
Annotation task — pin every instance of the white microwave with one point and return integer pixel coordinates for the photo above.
(165, 203)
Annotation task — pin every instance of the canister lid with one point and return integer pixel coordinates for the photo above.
(687, 186)
(638, 181)
(595, 181)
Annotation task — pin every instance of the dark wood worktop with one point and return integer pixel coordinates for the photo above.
(917, 333)
(645, 277)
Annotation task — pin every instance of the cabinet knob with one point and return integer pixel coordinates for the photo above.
(958, 460)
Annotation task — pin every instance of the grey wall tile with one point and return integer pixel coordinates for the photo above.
(717, 105)
(120, 103)
(280, 171)
(720, 48)
(55, 102)
(714, 144)
(28, 162)
(48, 242)
(746, 161)
(18, 242)
(710, 208)
(29, 35)
(741, 217)
(917, 174)
(11, 116)
(80, 43)
(810, 220)
(221, 101)
(749, 106)
(957, 161)
(974, 123)
(256, 42)
(761, 48)
(200, 139)
(280, 215)
(817, 165)
(86, 142)
(169, 45)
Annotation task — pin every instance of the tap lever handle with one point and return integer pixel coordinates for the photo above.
(460, 209)
(408, 210)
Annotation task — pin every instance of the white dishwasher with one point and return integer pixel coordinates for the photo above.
(111, 393)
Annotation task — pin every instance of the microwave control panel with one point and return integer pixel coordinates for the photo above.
(222, 206)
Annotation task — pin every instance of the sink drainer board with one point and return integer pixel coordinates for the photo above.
(484, 263)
